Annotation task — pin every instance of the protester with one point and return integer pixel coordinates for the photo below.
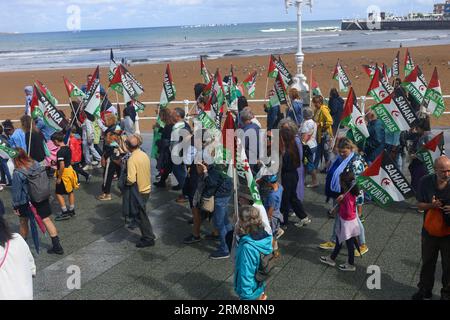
(76, 150)
(138, 180)
(22, 196)
(16, 137)
(35, 145)
(308, 133)
(271, 195)
(5, 175)
(348, 160)
(433, 197)
(374, 145)
(295, 112)
(336, 106)
(419, 135)
(66, 178)
(17, 267)
(253, 241)
(274, 114)
(129, 119)
(179, 128)
(164, 162)
(348, 228)
(28, 98)
(90, 153)
(111, 160)
(324, 122)
(393, 147)
(292, 172)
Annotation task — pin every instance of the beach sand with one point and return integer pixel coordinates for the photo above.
(186, 74)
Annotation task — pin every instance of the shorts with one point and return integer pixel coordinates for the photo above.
(43, 209)
(61, 189)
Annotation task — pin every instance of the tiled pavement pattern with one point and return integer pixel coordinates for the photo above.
(112, 268)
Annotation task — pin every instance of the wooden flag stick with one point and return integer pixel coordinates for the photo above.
(29, 139)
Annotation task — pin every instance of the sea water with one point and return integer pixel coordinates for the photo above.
(162, 44)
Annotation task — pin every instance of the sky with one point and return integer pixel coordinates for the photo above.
(52, 15)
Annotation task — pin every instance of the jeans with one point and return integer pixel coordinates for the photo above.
(108, 175)
(221, 222)
(431, 246)
(179, 171)
(144, 222)
(89, 151)
(350, 247)
(5, 174)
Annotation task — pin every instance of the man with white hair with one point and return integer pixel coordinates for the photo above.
(434, 198)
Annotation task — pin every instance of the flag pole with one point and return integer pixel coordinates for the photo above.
(75, 112)
(29, 139)
(350, 189)
(267, 87)
(310, 88)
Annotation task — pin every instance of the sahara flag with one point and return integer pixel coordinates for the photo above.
(93, 101)
(379, 87)
(434, 102)
(369, 70)
(204, 71)
(384, 182)
(280, 89)
(273, 99)
(232, 92)
(416, 84)
(395, 112)
(409, 63)
(228, 143)
(43, 108)
(285, 74)
(117, 85)
(46, 92)
(213, 108)
(7, 152)
(72, 90)
(430, 151)
(250, 84)
(273, 71)
(315, 89)
(169, 91)
(340, 75)
(354, 119)
(396, 66)
(386, 72)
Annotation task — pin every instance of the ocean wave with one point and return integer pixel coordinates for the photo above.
(273, 30)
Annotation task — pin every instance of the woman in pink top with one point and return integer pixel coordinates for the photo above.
(348, 229)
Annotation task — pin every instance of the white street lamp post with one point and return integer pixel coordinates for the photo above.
(300, 82)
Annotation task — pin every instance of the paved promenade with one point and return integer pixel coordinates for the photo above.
(112, 268)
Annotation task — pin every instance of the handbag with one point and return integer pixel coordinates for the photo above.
(207, 204)
(434, 223)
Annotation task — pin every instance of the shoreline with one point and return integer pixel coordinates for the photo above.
(187, 73)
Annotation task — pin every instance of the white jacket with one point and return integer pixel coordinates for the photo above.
(17, 271)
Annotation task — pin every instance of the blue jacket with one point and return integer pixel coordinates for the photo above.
(273, 115)
(17, 139)
(19, 189)
(297, 105)
(375, 142)
(217, 184)
(336, 106)
(247, 262)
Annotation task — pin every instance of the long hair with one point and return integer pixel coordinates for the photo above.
(290, 146)
(5, 233)
(22, 160)
(334, 93)
(250, 221)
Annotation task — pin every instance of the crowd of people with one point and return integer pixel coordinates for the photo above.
(311, 142)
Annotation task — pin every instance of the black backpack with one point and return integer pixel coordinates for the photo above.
(307, 154)
(266, 264)
(38, 184)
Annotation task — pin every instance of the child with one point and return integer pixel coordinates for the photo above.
(76, 150)
(348, 227)
(66, 177)
(271, 193)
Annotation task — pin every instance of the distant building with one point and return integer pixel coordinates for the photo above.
(439, 8)
(447, 9)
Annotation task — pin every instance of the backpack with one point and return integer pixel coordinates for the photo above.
(266, 265)
(308, 156)
(38, 184)
(437, 223)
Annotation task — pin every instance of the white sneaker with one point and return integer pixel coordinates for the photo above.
(303, 222)
(87, 167)
(99, 166)
(327, 260)
(279, 233)
(95, 163)
(1, 188)
(347, 267)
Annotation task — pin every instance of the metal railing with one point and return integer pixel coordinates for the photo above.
(188, 104)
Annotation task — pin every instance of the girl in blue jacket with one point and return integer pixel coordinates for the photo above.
(253, 241)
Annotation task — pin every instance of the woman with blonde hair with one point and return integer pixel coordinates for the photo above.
(253, 241)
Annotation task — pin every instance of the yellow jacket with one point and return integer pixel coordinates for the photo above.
(324, 122)
(70, 179)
